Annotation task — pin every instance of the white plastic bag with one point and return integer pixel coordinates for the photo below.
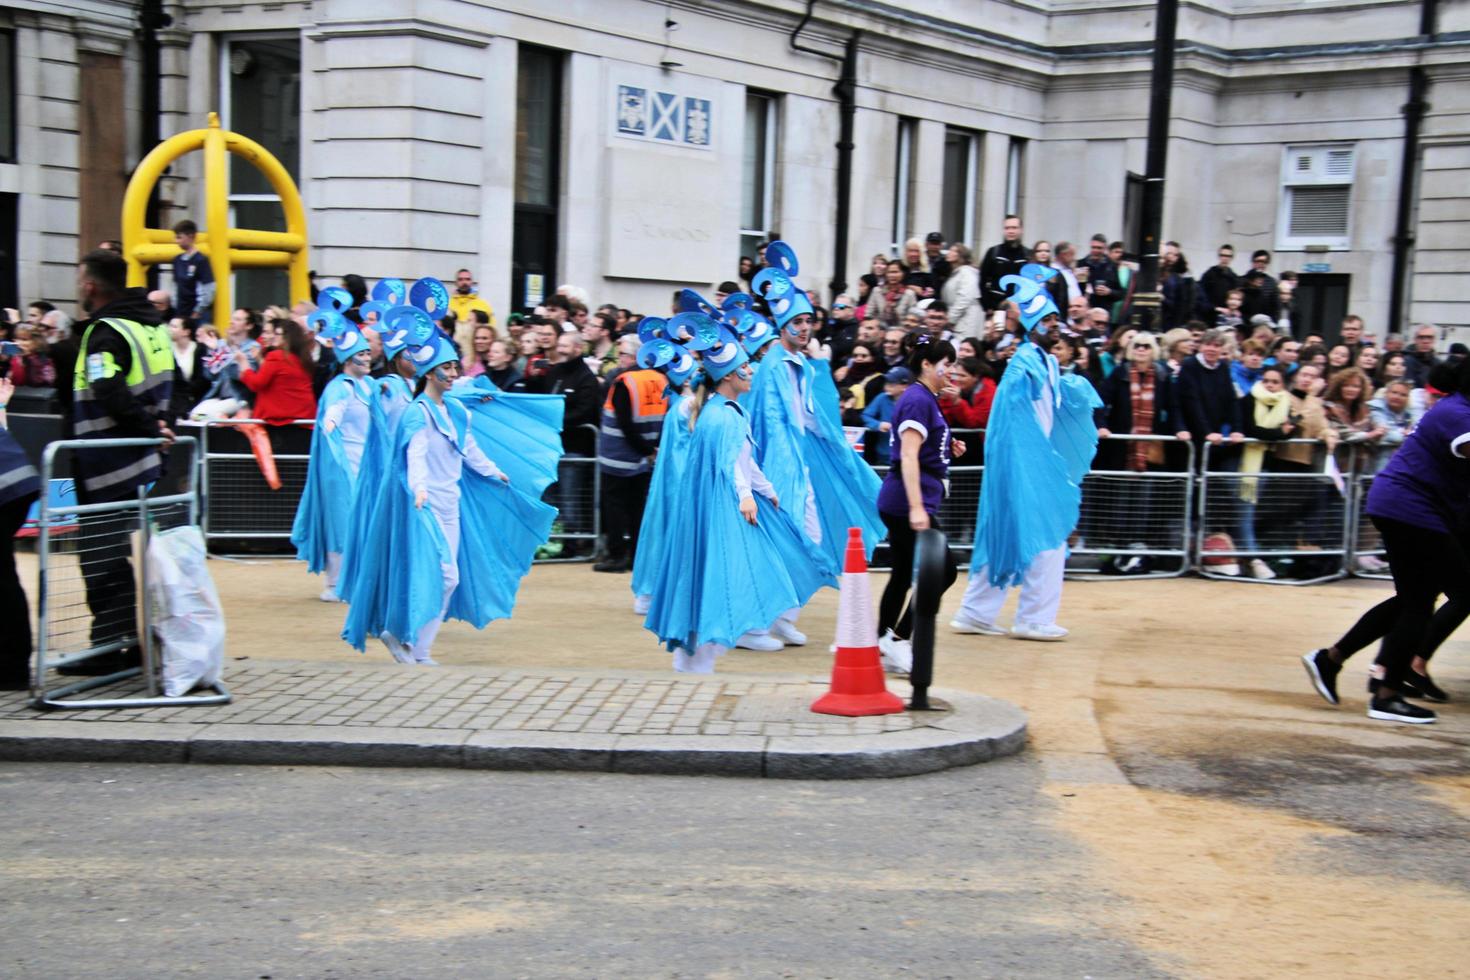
(188, 618)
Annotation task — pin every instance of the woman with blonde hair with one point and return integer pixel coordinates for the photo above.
(961, 292)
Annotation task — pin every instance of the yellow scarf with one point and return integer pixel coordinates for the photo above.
(1271, 410)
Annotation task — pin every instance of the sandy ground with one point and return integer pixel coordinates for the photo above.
(1245, 827)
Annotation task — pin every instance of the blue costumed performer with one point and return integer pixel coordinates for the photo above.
(440, 486)
(1038, 445)
(742, 561)
(343, 425)
(796, 419)
(664, 491)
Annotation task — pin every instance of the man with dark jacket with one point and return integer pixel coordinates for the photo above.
(568, 374)
(1262, 294)
(121, 384)
(1420, 358)
(1207, 399)
(1216, 283)
(1001, 260)
(1102, 286)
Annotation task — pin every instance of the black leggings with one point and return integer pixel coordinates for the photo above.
(894, 610)
(1374, 624)
(1424, 563)
(15, 612)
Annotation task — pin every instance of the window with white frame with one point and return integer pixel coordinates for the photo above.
(957, 198)
(1316, 196)
(758, 171)
(260, 95)
(1015, 175)
(903, 170)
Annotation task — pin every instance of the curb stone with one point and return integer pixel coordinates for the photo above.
(975, 729)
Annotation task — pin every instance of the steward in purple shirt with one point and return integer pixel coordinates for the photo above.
(920, 448)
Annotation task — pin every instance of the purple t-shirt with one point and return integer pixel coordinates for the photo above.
(1427, 482)
(917, 409)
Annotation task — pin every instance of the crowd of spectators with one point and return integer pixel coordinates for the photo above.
(1223, 362)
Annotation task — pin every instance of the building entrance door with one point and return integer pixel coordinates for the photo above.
(1319, 304)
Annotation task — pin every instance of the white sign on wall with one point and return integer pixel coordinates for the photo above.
(671, 118)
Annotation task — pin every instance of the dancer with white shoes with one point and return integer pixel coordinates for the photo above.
(343, 424)
(743, 560)
(1038, 445)
(438, 488)
(796, 421)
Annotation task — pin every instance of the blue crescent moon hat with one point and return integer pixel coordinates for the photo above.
(692, 302)
(724, 356)
(738, 301)
(328, 325)
(426, 357)
(429, 295)
(675, 360)
(652, 328)
(755, 332)
(783, 297)
(1030, 294)
(390, 292)
(697, 331)
(349, 342)
(780, 255)
(334, 299)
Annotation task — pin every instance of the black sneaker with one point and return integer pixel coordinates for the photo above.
(1397, 709)
(1417, 685)
(1323, 673)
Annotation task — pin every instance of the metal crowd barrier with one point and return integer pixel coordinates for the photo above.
(1297, 523)
(1135, 524)
(577, 496)
(238, 503)
(1366, 559)
(91, 596)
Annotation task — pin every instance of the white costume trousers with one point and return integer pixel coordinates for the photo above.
(1041, 592)
(448, 519)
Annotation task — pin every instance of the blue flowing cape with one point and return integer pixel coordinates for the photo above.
(733, 576)
(324, 514)
(397, 585)
(665, 496)
(794, 460)
(1032, 490)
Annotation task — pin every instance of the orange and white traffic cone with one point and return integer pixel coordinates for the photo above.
(858, 686)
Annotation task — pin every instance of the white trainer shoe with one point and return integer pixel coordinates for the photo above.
(329, 595)
(1261, 571)
(1050, 632)
(964, 624)
(641, 604)
(762, 641)
(693, 663)
(895, 653)
(400, 652)
(427, 662)
(788, 633)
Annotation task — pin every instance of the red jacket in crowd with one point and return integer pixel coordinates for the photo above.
(970, 411)
(282, 389)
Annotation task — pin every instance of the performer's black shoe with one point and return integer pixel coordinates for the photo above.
(613, 565)
(106, 663)
(1417, 685)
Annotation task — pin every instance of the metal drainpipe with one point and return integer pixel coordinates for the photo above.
(846, 92)
(1403, 234)
(150, 19)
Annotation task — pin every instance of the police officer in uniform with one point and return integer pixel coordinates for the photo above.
(120, 390)
(632, 421)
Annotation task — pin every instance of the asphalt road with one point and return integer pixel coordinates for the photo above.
(161, 871)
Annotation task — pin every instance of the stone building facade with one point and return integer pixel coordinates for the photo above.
(632, 147)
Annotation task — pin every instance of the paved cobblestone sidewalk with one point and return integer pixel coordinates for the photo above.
(287, 712)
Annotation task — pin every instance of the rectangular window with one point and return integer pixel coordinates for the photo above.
(1316, 197)
(1133, 186)
(260, 81)
(758, 170)
(1015, 175)
(957, 204)
(903, 170)
(7, 97)
(535, 238)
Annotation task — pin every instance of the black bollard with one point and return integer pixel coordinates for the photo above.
(930, 556)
